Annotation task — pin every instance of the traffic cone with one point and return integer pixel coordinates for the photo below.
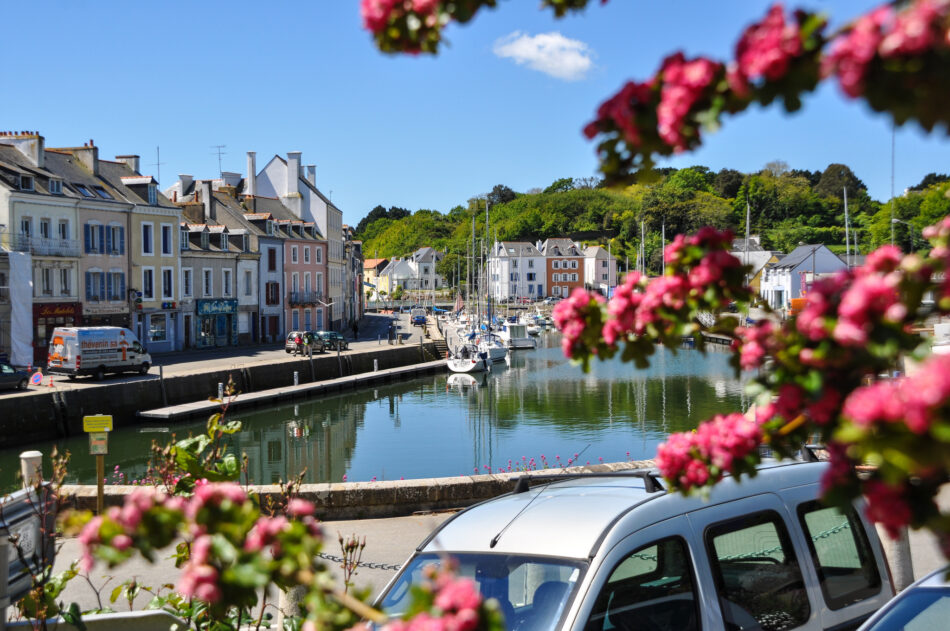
(51, 381)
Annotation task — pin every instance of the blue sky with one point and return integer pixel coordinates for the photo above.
(415, 132)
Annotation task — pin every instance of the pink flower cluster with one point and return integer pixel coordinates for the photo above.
(684, 84)
(209, 496)
(377, 13)
(570, 318)
(199, 579)
(701, 457)
(753, 343)
(821, 301)
(917, 401)
(458, 607)
(767, 48)
(940, 233)
(621, 110)
(887, 34)
(869, 299)
(887, 505)
(128, 517)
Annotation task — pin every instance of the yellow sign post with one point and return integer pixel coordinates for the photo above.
(98, 427)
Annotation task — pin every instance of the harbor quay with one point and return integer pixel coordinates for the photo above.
(55, 408)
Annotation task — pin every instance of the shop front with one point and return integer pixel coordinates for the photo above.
(158, 330)
(46, 317)
(217, 323)
(107, 315)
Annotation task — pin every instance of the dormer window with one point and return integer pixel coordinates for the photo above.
(204, 240)
(184, 239)
(26, 183)
(152, 195)
(83, 190)
(56, 187)
(270, 227)
(224, 241)
(244, 243)
(102, 192)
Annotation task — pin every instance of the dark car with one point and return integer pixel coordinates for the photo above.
(12, 378)
(332, 339)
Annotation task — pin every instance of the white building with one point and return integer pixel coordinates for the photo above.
(516, 269)
(790, 277)
(600, 269)
(285, 180)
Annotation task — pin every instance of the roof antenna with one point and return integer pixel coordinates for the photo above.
(495, 539)
(158, 164)
(220, 153)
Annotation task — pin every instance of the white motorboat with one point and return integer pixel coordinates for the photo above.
(494, 345)
(516, 336)
(468, 359)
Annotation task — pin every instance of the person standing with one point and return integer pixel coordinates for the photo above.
(356, 330)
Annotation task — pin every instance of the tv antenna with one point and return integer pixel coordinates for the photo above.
(218, 150)
(158, 164)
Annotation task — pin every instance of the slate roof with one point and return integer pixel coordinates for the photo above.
(795, 258)
(558, 246)
(758, 259)
(515, 248)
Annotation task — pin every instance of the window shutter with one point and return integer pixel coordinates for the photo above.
(102, 285)
(121, 286)
(109, 241)
(110, 291)
(102, 236)
(88, 274)
(121, 240)
(86, 238)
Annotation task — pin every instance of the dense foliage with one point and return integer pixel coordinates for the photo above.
(787, 207)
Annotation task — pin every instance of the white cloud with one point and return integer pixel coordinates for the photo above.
(550, 53)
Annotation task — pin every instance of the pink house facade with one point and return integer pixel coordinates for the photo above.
(305, 276)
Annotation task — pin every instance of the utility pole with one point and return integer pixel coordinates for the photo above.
(847, 232)
(893, 144)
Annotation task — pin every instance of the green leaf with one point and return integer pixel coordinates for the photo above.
(74, 616)
(114, 596)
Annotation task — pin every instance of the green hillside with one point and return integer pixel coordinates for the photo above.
(787, 206)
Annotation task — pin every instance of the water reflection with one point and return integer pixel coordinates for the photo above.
(443, 425)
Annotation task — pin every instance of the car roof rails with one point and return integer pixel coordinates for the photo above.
(651, 480)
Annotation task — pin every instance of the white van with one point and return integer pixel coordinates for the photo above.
(96, 350)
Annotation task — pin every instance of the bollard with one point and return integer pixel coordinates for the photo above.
(296, 378)
(375, 365)
(379, 340)
(31, 468)
(220, 390)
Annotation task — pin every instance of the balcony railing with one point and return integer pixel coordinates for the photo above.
(42, 246)
(304, 297)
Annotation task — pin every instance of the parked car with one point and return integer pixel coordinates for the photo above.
(317, 342)
(550, 300)
(11, 378)
(333, 340)
(599, 552)
(924, 605)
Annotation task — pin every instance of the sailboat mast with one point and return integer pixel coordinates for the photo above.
(663, 244)
(488, 245)
(847, 232)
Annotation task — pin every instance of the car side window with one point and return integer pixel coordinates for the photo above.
(6, 368)
(137, 347)
(839, 546)
(650, 590)
(758, 577)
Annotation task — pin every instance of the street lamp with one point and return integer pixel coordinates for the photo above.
(912, 231)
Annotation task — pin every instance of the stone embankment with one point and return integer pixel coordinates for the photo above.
(47, 415)
(369, 500)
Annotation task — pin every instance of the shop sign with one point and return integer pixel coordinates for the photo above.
(117, 309)
(210, 307)
(57, 310)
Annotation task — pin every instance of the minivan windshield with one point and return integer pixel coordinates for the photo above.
(532, 591)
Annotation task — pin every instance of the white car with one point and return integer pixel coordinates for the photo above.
(923, 606)
(616, 551)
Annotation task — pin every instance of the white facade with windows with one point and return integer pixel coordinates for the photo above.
(516, 270)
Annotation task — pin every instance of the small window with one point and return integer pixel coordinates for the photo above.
(653, 588)
(26, 183)
(183, 239)
(186, 282)
(102, 192)
(83, 190)
(223, 242)
(152, 195)
(556, 264)
(166, 240)
(319, 255)
(757, 575)
(839, 546)
(293, 254)
(56, 187)
(306, 254)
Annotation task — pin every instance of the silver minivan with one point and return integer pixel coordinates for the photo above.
(604, 552)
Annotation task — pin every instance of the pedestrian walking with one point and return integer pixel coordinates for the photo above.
(356, 331)
(298, 344)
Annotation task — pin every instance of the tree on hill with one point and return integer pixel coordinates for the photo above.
(379, 212)
(835, 178)
(727, 183)
(501, 194)
(560, 185)
(929, 180)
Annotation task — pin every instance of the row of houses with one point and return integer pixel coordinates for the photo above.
(205, 263)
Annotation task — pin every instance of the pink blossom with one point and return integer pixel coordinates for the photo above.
(376, 13)
(194, 577)
(687, 458)
(300, 508)
(886, 505)
(851, 53)
(684, 83)
(766, 48)
(458, 595)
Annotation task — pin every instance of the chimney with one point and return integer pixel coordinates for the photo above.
(88, 155)
(132, 161)
(207, 201)
(184, 182)
(293, 171)
(30, 144)
(250, 186)
(312, 174)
